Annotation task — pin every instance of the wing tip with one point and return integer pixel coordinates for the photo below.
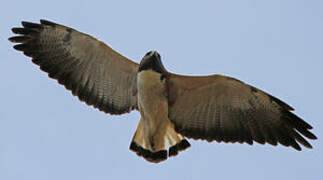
(47, 22)
(12, 39)
(19, 47)
(27, 24)
(19, 39)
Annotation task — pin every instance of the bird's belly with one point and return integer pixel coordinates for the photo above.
(152, 99)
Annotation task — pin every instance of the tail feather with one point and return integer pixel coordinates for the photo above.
(148, 154)
(181, 146)
(143, 145)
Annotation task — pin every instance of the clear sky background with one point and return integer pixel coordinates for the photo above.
(47, 134)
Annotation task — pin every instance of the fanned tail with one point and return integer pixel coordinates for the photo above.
(155, 151)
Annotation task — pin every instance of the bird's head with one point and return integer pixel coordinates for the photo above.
(152, 61)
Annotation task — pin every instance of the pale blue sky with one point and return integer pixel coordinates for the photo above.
(47, 134)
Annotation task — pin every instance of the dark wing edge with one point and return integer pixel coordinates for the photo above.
(227, 110)
(93, 71)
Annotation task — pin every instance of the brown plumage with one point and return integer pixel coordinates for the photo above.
(225, 109)
(81, 63)
(172, 106)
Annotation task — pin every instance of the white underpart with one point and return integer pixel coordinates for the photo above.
(151, 98)
(153, 107)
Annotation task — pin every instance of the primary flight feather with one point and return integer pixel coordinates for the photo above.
(172, 106)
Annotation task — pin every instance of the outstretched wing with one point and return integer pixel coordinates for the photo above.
(89, 68)
(225, 109)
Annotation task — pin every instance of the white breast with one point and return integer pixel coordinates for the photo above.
(151, 91)
(148, 79)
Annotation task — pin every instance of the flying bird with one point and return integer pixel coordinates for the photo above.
(173, 107)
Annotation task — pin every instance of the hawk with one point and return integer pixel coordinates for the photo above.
(173, 107)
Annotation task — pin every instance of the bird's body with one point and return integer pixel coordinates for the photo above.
(153, 107)
(155, 129)
(172, 106)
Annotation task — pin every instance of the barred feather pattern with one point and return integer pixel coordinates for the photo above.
(93, 71)
(227, 110)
